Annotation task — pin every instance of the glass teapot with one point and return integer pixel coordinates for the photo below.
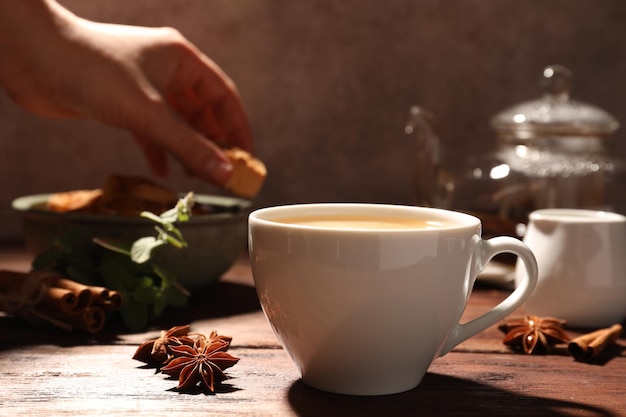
(550, 152)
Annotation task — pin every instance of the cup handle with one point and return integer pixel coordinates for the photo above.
(487, 249)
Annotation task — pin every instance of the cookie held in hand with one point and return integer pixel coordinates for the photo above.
(248, 173)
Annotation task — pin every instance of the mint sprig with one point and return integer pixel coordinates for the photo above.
(128, 267)
(167, 233)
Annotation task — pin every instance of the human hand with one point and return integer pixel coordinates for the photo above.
(150, 81)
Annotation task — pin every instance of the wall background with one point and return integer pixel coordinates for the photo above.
(327, 85)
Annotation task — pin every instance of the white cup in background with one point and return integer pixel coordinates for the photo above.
(581, 255)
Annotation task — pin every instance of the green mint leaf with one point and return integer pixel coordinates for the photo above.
(153, 217)
(145, 294)
(115, 276)
(142, 248)
(183, 207)
(169, 216)
(160, 303)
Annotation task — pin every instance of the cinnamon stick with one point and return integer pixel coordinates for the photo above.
(91, 320)
(45, 296)
(101, 296)
(586, 347)
(67, 301)
(108, 299)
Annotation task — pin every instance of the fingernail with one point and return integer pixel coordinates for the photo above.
(219, 171)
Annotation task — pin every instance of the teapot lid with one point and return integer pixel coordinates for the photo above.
(554, 114)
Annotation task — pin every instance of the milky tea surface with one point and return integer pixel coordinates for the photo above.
(364, 222)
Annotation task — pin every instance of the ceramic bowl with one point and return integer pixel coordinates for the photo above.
(215, 239)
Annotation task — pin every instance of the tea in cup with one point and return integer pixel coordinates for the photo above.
(581, 256)
(364, 297)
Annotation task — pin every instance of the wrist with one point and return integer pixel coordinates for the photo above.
(26, 21)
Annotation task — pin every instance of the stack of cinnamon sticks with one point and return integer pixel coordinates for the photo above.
(42, 296)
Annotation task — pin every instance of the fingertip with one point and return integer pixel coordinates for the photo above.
(218, 171)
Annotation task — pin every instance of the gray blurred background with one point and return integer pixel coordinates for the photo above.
(328, 83)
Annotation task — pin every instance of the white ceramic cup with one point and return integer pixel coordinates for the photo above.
(365, 311)
(581, 256)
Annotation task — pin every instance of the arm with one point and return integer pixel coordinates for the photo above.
(149, 81)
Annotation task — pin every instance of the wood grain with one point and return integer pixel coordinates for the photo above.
(46, 372)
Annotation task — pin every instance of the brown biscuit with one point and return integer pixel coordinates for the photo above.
(128, 195)
(248, 173)
(79, 200)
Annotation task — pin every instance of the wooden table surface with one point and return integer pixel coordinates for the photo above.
(47, 372)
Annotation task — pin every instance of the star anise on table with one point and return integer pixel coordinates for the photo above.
(155, 352)
(201, 364)
(533, 334)
(197, 361)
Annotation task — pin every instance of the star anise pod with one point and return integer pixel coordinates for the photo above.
(533, 334)
(201, 364)
(218, 338)
(156, 351)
